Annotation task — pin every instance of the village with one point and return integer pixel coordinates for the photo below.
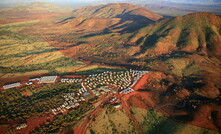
(109, 85)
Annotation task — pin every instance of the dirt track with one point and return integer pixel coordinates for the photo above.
(131, 116)
(89, 119)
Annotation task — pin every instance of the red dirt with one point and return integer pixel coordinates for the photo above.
(3, 129)
(19, 78)
(73, 76)
(148, 99)
(89, 119)
(135, 101)
(35, 122)
(202, 117)
(131, 116)
(140, 99)
(13, 20)
(79, 68)
(142, 82)
(83, 127)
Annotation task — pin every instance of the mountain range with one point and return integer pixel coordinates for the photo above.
(194, 38)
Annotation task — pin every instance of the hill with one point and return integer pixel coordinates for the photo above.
(36, 6)
(109, 16)
(186, 52)
(116, 10)
(190, 33)
(186, 49)
(185, 46)
(35, 11)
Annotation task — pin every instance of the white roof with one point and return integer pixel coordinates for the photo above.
(48, 79)
(12, 85)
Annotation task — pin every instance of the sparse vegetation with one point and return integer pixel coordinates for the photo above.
(154, 122)
(63, 121)
(19, 106)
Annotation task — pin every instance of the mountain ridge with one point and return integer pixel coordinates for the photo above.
(113, 10)
(109, 16)
(190, 25)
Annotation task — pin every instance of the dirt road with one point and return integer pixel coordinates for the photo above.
(131, 116)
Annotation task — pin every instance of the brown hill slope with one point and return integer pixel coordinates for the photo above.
(198, 32)
(36, 6)
(185, 46)
(109, 16)
(186, 50)
(117, 10)
(33, 11)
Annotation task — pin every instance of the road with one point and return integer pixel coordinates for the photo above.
(131, 116)
(89, 119)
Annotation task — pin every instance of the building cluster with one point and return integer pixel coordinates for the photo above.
(71, 100)
(136, 76)
(121, 82)
(98, 84)
(113, 100)
(70, 80)
(104, 89)
(42, 80)
(24, 125)
(115, 82)
(127, 91)
(48, 79)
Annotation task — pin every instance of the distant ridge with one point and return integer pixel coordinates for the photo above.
(36, 6)
(114, 15)
(114, 10)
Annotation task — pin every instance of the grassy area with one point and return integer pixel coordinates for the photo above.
(183, 66)
(153, 122)
(40, 100)
(64, 122)
(22, 54)
(18, 26)
(95, 69)
(111, 123)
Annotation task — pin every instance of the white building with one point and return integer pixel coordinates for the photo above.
(48, 79)
(24, 125)
(12, 85)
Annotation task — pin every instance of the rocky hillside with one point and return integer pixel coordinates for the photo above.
(109, 16)
(117, 10)
(198, 32)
